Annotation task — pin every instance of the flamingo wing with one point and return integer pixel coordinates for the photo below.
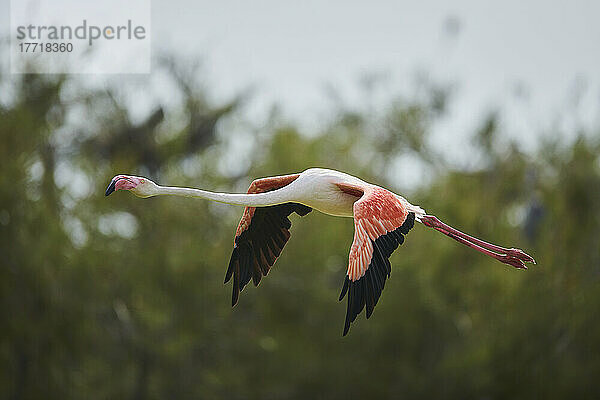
(261, 235)
(380, 222)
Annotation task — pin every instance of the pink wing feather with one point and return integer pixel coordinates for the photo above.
(261, 235)
(380, 221)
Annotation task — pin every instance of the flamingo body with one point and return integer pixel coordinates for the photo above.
(318, 189)
(381, 220)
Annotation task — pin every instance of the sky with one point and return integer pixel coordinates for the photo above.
(536, 61)
(543, 55)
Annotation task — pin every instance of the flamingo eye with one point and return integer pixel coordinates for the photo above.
(142, 181)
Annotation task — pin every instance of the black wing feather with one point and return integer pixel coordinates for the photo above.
(256, 249)
(367, 289)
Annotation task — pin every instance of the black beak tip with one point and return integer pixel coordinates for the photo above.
(110, 188)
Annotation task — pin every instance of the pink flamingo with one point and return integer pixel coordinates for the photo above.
(381, 219)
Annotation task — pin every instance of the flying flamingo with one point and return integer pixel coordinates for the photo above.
(381, 219)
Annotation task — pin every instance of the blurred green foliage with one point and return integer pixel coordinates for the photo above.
(123, 298)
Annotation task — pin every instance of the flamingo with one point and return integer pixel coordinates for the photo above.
(381, 220)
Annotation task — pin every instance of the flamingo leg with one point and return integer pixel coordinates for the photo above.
(512, 256)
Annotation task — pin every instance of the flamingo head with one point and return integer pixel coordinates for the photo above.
(141, 187)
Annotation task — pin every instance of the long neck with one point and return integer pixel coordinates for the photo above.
(250, 200)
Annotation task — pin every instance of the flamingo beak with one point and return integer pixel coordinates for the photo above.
(111, 187)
